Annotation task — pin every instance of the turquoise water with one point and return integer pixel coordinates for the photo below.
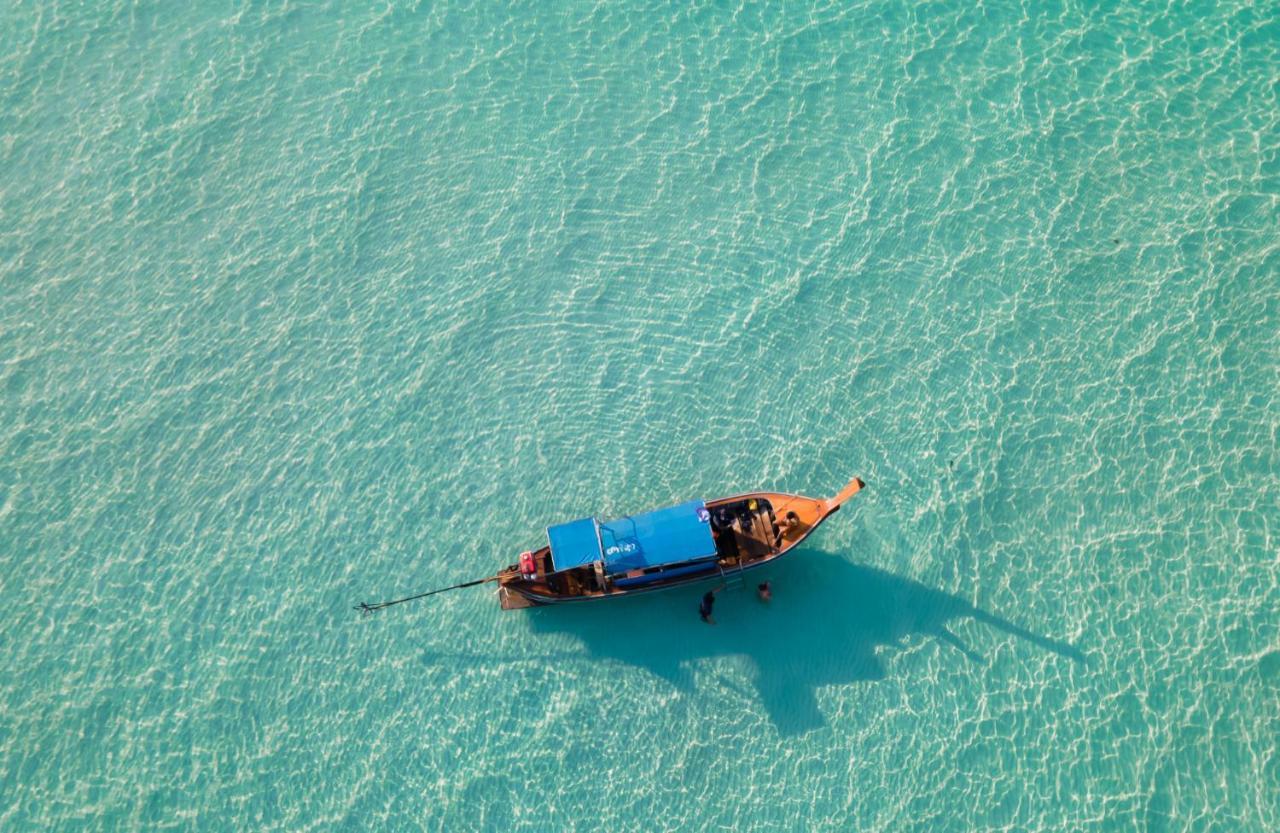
(303, 304)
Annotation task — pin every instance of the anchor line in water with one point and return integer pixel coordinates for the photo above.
(366, 608)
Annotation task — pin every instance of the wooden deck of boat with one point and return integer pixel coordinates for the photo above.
(753, 541)
(758, 542)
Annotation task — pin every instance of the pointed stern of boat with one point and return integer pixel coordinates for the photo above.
(512, 600)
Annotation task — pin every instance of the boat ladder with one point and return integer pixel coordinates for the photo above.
(732, 577)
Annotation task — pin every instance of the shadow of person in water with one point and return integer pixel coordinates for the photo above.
(824, 626)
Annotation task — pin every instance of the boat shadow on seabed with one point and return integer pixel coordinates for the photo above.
(824, 626)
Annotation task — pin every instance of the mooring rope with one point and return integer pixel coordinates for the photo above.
(366, 608)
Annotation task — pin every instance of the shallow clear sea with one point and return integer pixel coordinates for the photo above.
(309, 303)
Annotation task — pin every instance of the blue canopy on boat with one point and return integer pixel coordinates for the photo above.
(574, 544)
(665, 536)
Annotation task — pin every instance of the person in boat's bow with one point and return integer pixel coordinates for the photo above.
(789, 523)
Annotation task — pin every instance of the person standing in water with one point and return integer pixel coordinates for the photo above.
(708, 602)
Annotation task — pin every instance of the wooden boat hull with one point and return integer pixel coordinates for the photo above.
(513, 598)
(752, 538)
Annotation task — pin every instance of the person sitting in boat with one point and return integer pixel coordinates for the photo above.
(764, 591)
(789, 523)
(708, 602)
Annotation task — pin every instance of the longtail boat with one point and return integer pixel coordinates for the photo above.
(693, 541)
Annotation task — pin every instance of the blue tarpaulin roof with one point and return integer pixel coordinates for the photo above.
(574, 544)
(665, 536)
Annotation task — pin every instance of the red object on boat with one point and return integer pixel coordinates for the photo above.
(528, 568)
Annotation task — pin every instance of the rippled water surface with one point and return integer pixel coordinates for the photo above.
(304, 303)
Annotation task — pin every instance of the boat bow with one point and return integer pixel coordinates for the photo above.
(855, 485)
